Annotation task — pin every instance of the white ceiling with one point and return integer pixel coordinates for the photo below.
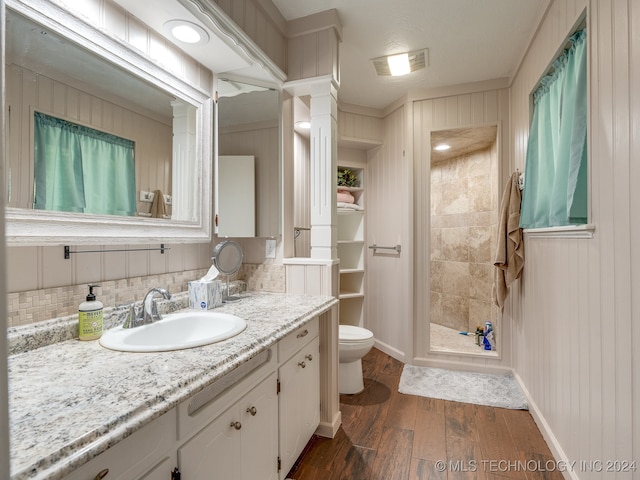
(468, 41)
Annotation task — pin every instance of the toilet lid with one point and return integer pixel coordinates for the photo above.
(350, 333)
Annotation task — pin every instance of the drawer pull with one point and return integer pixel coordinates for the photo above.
(252, 411)
(302, 364)
(309, 357)
(102, 474)
(236, 425)
(303, 334)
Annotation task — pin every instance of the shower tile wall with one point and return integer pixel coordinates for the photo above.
(464, 213)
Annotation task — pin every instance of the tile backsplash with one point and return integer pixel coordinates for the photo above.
(38, 305)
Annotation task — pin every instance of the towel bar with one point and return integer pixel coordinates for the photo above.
(68, 251)
(375, 247)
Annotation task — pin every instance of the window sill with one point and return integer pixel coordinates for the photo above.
(569, 231)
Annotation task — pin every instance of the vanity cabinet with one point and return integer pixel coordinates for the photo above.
(240, 443)
(252, 423)
(145, 455)
(299, 399)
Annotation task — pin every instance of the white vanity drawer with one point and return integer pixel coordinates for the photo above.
(196, 412)
(297, 339)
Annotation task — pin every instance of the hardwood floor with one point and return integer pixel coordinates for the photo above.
(386, 435)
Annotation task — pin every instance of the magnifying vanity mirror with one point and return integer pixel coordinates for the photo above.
(248, 188)
(227, 258)
(80, 79)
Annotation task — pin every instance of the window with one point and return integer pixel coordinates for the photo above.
(555, 192)
(80, 169)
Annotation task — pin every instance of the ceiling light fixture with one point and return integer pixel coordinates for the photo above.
(304, 125)
(401, 63)
(442, 147)
(186, 32)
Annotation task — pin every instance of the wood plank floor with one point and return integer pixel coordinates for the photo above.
(386, 435)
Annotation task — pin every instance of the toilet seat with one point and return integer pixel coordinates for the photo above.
(353, 334)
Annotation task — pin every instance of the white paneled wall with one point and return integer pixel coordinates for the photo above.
(388, 275)
(576, 314)
(482, 104)
(313, 46)
(263, 23)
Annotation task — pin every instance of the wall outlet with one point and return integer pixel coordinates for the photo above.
(146, 196)
(270, 248)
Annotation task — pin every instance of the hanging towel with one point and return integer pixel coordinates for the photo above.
(158, 208)
(509, 258)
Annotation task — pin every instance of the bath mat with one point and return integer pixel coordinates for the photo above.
(468, 387)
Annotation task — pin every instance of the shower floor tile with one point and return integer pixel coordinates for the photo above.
(444, 339)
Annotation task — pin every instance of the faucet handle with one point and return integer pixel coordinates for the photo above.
(154, 309)
(134, 317)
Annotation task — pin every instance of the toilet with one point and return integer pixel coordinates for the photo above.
(353, 344)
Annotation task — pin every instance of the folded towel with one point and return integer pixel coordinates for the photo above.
(158, 207)
(349, 206)
(509, 258)
(345, 197)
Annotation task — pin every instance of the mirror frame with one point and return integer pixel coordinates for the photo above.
(32, 227)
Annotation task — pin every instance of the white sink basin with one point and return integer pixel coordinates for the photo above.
(175, 331)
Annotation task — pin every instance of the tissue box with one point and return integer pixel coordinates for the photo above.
(205, 294)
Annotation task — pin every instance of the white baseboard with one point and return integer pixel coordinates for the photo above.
(391, 351)
(547, 433)
(329, 430)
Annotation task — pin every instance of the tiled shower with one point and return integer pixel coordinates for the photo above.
(464, 216)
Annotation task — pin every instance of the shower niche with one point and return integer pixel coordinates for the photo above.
(463, 226)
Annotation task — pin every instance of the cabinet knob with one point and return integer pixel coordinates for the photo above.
(303, 334)
(236, 425)
(252, 411)
(102, 474)
(302, 364)
(309, 357)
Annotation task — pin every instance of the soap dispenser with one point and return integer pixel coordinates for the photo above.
(90, 319)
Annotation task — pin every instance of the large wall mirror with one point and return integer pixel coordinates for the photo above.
(249, 118)
(82, 80)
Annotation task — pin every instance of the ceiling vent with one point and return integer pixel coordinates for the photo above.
(408, 62)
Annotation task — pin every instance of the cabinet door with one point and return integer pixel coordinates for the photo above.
(146, 451)
(299, 403)
(240, 444)
(214, 453)
(160, 471)
(259, 446)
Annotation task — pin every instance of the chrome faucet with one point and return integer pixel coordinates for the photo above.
(148, 311)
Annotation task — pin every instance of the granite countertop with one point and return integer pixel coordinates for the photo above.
(69, 401)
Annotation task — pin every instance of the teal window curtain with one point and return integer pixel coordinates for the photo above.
(80, 169)
(555, 192)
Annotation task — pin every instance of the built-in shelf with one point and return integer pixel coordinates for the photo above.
(344, 295)
(351, 252)
(358, 143)
(351, 270)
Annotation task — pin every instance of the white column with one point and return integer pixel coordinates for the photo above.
(324, 153)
